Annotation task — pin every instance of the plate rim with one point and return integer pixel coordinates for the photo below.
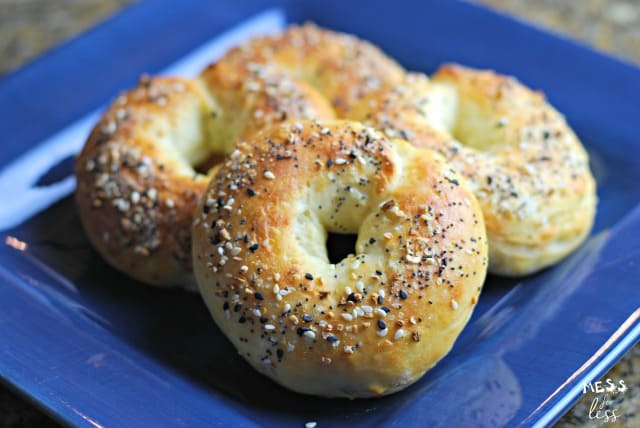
(105, 25)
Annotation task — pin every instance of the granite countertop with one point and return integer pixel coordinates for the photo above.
(29, 27)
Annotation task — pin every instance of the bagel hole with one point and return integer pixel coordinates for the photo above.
(213, 160)
(340, 245)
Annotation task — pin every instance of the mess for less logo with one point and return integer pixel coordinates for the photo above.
(602, 405)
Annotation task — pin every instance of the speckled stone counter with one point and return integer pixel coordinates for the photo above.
(29, 27)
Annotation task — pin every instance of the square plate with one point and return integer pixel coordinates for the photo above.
(93, 348)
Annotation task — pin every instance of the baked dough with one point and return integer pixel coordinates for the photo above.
(137, 186)
(523, 162)
(372, 323)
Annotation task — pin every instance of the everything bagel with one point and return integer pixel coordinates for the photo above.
(137, 182)
(523, 162)
(372, 323)
(136, 187)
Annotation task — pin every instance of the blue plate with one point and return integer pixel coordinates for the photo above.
(95, 349)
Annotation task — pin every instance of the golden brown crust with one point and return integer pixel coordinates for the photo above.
(374, 322)
(523, 162)
(341, 67)
(137, 187)
(134, 195)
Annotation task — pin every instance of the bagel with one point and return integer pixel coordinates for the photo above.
(136, 183)
(372, 323)
(523, 162)
(136, 188)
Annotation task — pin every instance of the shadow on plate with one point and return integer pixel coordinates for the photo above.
(174, 327)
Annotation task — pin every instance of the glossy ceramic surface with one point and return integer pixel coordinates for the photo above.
(94, 348)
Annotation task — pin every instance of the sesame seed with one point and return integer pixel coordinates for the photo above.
(251, 192)
(252, 86)
(347, 317)
(254, 247)
(380, 312)
(121, 204)
(258, 296)
(269, 327)
(244, 268)
(269, 175)
(454, 304)
(412, 259)
(311, 424)
(109, 127)
(381, 324)
(309, 334)
(403, 294)
(307, 318)
(383, 332)
(340, 161)
(324, 131)
(308, 276)
(170, 203)
(399, 334)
